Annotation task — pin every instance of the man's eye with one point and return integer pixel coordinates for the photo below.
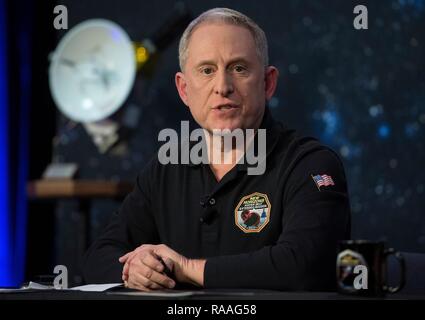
(239, 68)
(207, 70)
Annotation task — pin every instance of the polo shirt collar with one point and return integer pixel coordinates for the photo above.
(267, 123)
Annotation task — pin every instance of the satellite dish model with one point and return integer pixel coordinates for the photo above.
(92, 70)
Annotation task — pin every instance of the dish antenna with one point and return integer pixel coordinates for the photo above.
(93, 69)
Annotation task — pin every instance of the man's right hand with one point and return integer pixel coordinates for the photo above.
(143, 270)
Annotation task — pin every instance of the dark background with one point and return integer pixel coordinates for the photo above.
(362, 92)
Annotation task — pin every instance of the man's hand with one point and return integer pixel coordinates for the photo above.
(144, 270)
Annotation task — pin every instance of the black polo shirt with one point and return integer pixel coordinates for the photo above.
(278, 230)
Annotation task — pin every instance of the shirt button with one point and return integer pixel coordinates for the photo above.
(212, 201)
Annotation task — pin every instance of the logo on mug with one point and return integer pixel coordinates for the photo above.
(361, 267)
(347, 274)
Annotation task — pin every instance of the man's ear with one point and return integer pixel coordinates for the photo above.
(272, 73)
(181, 86)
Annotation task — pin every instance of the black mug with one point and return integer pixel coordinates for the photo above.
(361, 268)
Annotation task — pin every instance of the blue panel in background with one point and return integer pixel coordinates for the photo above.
(5, 243)
(14, 132)
(20, 196)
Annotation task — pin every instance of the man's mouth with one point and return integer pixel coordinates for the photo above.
(225, 107)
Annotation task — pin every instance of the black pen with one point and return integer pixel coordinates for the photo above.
(167, 270)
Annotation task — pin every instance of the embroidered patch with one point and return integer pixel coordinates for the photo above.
(253, 212)
(323, 180)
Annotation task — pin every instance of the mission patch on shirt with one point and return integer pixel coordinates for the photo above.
(253, 212)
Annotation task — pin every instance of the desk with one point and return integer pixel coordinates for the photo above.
(206, 294)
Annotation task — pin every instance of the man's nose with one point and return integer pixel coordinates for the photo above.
(223, 84)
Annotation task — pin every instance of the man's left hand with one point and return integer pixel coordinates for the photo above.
(185, 270)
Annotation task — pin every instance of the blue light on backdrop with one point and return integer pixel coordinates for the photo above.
(20, 197)
(5, 248)
(14, 148)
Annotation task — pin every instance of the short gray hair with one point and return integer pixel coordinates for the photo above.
(227, 16)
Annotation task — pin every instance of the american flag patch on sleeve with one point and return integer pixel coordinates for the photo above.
(323, 180)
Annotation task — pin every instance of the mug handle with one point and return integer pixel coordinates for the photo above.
(402, 263)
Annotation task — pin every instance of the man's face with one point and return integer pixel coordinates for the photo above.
(224, 83)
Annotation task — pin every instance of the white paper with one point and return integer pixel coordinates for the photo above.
(37, 286)
(96, 287)
(30, 286)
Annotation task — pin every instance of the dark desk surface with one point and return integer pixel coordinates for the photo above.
(200, 295)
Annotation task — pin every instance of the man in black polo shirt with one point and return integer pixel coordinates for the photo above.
(215, 225)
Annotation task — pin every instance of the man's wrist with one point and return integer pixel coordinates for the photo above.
(195, 271)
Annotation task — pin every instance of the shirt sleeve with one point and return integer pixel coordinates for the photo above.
(314, 220)
(132, 225)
